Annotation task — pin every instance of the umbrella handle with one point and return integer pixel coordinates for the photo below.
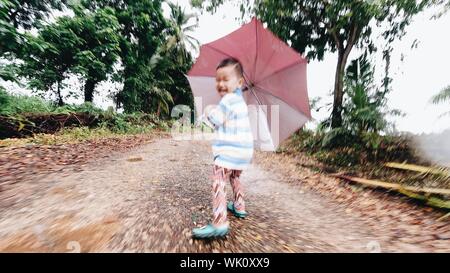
(250, 86)
(247, 87)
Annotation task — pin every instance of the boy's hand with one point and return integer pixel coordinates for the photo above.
(203, 120)
(208, 110)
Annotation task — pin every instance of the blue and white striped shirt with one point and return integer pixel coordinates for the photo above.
(233, 142)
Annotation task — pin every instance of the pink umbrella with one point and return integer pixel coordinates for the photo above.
(275, 76)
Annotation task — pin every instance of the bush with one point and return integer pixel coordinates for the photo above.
(4, 99)
(339, 137)
(19, 105)
(343, 157)
(86, 107)
(341, 148)
(40, 116)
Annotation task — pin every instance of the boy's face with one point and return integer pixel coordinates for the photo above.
(227, 80)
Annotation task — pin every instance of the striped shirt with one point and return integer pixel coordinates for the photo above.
(233, 143)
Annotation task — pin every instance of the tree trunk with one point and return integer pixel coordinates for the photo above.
(158, 112)
(89, 87)
(60, 99)
(336, 115)
(13, 19)
(128, 94)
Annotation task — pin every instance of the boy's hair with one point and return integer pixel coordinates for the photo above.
(232, 61)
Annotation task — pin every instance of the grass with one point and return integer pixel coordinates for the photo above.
(112, 124)
(75, 135)
(16, 105)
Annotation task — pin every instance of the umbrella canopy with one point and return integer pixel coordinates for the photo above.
(275, 77)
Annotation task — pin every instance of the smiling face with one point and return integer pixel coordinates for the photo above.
(227, 80)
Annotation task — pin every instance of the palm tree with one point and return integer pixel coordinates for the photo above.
(180, 38)
(441, 97)
(163, 98)
(174, 52)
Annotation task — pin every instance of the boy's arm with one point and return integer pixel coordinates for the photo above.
(204, 120)
(219, 114)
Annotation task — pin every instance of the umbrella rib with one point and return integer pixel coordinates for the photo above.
(281, 69)
(256, 53)
(268, 62)
(259, 101)
(254, 94)
(262, 90)
(250, 86)
(218, 50)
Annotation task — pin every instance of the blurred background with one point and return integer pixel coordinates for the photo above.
(81, 77)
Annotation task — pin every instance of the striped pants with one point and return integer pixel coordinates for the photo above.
(220, 176)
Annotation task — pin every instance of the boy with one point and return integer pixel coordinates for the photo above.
(232, 147)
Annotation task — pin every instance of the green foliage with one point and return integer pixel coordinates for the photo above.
(358, 140)
(25, 14)
(134, 123)
(125, 41)
(17, 105)
(87, 107)
(142, 28)
(364, 111)
(29, 13)
(363, 108)
(86, 44)
(50, 56)
(9, 36)
(17, 108)
(442, 97)
(179, 33)
(344, 157)
(4, 98)
(79, 133)
(99, 49)
(153, 54)
(174, 59)
(353, 151)
(445, 7)
(337, 137)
